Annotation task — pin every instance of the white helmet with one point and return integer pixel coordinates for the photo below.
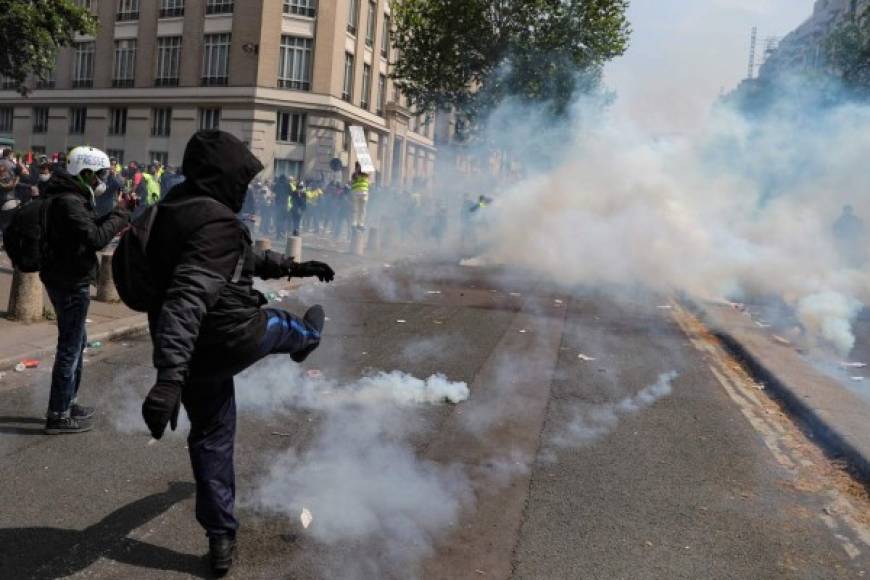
(85, 157)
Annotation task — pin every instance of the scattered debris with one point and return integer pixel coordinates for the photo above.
(126, 344)
(648, 543)
(388, 266)
(433, 292)
(515, 294)
(272, 296)
(314, 373)
(306, 518)
(401, 321)
(280, 434)
(30, 363)
(781, 340)
(88, 320)
(95, 344)
(858, 379)
(762, 324)
(438, 322)
(481, 572)
(151, 441)
(283, 293)
(585, 357)
(557, 301)
(2, 376)
(665, 307)
(853, 365)
(523, 331)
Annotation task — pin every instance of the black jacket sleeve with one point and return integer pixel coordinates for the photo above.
(207, 263)
(270, 265)
(93, 234)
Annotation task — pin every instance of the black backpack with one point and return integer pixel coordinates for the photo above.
(130, 268)
(24, 238)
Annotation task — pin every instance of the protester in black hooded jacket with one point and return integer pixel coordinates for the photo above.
(73, 235)
(209, 324)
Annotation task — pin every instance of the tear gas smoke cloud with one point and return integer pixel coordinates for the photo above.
(360, 477)
(747, 207)
(592, 422)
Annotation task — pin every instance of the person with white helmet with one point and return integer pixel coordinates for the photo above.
(72, 235)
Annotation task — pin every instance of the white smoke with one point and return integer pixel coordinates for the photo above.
(745, 208)
(592, 422)
(360, 478)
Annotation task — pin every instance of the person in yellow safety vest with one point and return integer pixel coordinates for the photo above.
(359, 189)
(152, 186)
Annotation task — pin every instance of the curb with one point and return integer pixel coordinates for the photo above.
(127, 331)
(821, 430)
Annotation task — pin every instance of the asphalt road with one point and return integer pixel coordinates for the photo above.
(657, 459)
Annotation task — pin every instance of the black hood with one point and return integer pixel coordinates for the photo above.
(62, 182)
(219, 165)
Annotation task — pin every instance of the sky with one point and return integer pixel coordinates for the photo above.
(683, 53)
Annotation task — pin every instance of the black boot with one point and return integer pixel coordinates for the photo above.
(221, 550)
(314, 319)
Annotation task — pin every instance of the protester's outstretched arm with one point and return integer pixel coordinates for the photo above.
(270, 265)
(95, 234)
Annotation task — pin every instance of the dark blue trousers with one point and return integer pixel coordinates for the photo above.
(71, 309)
(211, 406)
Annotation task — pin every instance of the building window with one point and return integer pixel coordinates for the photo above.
(382, 94)
(161, 121)
(216, 59)
(83, 64)
(301, 7)
(219, 7)
(49, 81)
(40, 119)
(6, 116)
(366, 87)
(347, 86)
(209, 118)
(352, 16)
(288, 168)
(77, 120)
(116, 154)
(128, 10)
(118, 121)
(371, 23)
(168, 61)
(124, 67)
(161, 157)
(8, 84)
(385, 37)
(171, 8)
(87, 4)
(290, 127)
(294, 63)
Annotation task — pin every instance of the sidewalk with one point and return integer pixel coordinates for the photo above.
(836, 417)
(115, 321)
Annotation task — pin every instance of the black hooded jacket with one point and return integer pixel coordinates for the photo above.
(209, 319)
(74, 234)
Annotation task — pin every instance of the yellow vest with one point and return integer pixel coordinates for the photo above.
(360, 184)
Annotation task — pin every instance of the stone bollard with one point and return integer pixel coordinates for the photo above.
(294, 248)
(25, 297)
(106, 291)
(357, 242)
(263, 245)
(374, 244)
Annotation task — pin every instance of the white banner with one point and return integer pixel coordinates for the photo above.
(361, 148)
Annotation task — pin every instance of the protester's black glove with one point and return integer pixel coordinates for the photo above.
(308, 269)
(161, 406)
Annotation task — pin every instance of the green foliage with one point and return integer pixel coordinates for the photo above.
(31, 31)
(471, 54)
(848, 52)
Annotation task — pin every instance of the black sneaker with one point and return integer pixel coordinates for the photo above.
(63, 425)
(81, 412)
(221, 550)
(315, 317)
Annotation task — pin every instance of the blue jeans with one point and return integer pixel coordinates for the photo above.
(71, 308)
(211, 406)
